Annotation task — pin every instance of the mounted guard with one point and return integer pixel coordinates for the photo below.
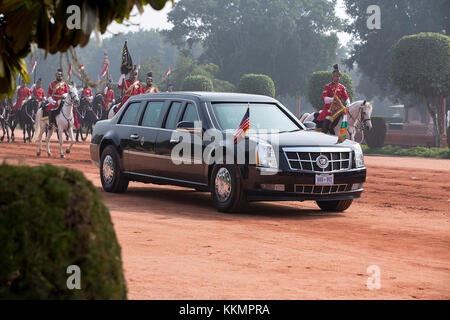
(23, 93)
(149, 87)
(333, 95)
(55, 91)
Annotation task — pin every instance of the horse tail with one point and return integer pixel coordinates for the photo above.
(37, 126)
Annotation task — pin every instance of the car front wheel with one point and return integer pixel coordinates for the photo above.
(337, 205)
(113, 180)
(226, 189)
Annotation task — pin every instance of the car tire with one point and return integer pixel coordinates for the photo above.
(111, 175)
(226, 189)
(336, 205)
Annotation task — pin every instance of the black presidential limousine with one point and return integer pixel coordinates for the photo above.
(186, 139)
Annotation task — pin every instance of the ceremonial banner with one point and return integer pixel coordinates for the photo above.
(127, 63)
(33, 66)
(343, 131)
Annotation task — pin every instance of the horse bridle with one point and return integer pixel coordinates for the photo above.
(360, 123)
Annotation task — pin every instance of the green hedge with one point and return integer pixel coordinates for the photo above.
(223, 86)
(51, 218)
(257, 84)
(319, 80)
(197, 83)
(424, 152)
(375, 137)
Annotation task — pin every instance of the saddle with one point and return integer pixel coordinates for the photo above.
(334, 119)
(56, 111)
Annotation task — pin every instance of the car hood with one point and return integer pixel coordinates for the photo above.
(302, 138)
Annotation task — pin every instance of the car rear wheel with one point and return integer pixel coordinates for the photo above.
(337, 205)
(226, 189)
(111, 175)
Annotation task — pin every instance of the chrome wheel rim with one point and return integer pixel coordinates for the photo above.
(223, 184)
(108, 169)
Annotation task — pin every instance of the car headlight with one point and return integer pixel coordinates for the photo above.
(265, 155)
(359, 156)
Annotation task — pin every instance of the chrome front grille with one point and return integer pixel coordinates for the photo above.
(305, 159)
(314, 189)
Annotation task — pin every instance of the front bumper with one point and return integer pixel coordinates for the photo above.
(300, 186)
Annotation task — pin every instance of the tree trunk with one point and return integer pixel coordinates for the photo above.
(434, 113)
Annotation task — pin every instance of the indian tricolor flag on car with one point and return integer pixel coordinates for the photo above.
(244, 126)
(343, 131)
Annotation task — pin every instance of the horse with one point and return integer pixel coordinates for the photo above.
(26, 116)
(98, 105)
(112, 111)
(359, 113)
(5, 109)
(86, 116)
(64, 121)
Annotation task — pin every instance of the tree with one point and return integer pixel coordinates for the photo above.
(319, 80)
(257, 84)
(421, 65)
(55, 26)
(372, 48)
(285, 39)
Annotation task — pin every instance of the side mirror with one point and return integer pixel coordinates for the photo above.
(309, 125)
(187, 126)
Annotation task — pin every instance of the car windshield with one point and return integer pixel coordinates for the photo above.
(262, 116)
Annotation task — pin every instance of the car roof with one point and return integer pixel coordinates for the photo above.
(210, 96)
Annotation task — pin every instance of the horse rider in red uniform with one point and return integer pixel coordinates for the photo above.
(108, 95)
(37, 91)
(149, 88)
(55, 91)
(130, 87)
(87, 92)
(332, 91)
(23, 93)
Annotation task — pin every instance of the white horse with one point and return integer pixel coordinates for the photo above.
(359, 113)
(64, 121)
(111, 111)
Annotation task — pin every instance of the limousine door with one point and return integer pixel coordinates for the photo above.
(165, 142)
(142, 139)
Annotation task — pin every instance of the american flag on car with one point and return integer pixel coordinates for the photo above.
(244, 126)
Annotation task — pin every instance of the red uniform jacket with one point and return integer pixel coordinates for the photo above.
(149, 90)
(329, 91)
(130, 88)
(38, 94)
(109, 97)
(56, 90)
(87, 92)
(22, 95)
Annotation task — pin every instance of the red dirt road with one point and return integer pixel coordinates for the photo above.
(175, 245)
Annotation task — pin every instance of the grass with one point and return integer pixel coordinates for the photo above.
(424, 152)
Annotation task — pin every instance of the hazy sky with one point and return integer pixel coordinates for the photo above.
(152, 19)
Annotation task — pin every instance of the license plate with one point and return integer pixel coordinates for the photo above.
(324, 179)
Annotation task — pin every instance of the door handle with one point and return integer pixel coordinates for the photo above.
(174, 140)
(134, 136)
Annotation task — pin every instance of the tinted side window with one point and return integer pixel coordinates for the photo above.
(152, 113)
(130, 116)
(172, 117)
(190, 114)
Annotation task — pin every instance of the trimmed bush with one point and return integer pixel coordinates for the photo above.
(375, 137)
(223, 86)
(257, 84)
(319, 80)
(51, 218)
(197, 83)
